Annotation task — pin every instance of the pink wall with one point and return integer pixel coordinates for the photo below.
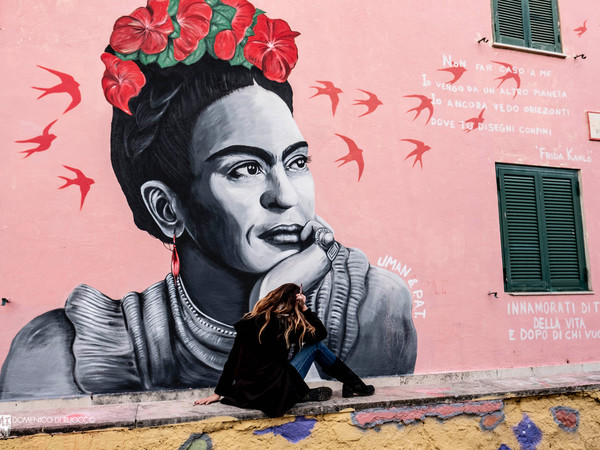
(440, 221)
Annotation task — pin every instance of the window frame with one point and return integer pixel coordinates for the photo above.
(546, 284)
(526, 43)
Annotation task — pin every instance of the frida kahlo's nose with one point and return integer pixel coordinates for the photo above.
(279, 191)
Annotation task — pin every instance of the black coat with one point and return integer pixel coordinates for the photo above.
(258, 375)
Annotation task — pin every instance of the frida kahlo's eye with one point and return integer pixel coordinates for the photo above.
(299, 163)
(247, 169)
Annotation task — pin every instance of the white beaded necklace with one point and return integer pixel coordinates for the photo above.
(205, 320)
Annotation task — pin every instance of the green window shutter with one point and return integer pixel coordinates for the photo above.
(509, 27)
(563, 233)
(543, 21)
(527, 23)
(521, 232)
(542, 230)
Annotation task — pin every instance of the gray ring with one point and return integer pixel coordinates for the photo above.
(324, 238)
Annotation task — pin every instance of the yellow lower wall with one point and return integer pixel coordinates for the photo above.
(515, 423)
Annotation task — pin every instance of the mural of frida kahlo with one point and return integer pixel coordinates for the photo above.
(210, 159)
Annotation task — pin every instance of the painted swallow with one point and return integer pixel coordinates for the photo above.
(418, 151)
(68, 85)
(582, 29)
(456, 71)
(476, 121)
(354, 154)
(426, 103)
(331, 90)
(510, 73)
(80, 180)
(371, 103)
(44, 141)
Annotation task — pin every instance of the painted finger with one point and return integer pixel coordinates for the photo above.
(324, 223)
(309, 229)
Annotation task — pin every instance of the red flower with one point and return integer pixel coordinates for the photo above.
(225, 44)
(193, 17)
(147, 29)
(122, 80)
(244, 15)
(272, 48)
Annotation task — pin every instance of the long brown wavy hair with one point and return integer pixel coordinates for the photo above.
(281, 304)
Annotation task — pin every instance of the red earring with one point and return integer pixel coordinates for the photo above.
(174, 260)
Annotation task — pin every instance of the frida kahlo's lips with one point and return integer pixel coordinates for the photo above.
(282, 234)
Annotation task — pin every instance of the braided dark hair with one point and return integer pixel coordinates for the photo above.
(154, 143)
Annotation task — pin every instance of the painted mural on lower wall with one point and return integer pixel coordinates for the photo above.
(212, 162)
(531, 423)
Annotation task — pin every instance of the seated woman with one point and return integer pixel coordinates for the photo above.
(276, 344)
(210, 159)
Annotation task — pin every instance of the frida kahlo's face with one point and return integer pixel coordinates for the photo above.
(252, 190)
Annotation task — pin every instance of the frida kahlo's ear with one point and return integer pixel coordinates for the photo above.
(164, 207)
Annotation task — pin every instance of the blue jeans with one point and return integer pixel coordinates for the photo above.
(309, 353)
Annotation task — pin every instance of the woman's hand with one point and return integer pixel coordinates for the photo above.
(301, 298)
(208, 400)
(308, 266)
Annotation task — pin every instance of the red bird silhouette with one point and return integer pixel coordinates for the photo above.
(582, 29)
(331, 90)
(80, 180)
(510, 73)
(456, 71)
(371, 103)
(44, 141)
(418, 151)
(68, 85)
(476, 121)
(354, 154)
(426, 103)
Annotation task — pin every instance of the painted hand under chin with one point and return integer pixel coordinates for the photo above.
(306, 267)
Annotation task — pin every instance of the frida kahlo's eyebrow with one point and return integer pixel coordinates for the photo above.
(255, 151)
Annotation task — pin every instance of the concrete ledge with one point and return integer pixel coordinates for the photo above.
(135, 410)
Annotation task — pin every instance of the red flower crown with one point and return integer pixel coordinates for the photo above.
(168, 32)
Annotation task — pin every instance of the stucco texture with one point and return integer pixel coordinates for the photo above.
(562, 421)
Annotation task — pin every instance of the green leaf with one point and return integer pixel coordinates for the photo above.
(176, 30)
(247, 64)
(173, 7)
(196, 54)
(148, 59)
(225, 10)
(210, 47)
(257, 13)
(212, 3)
(167, 58)
(218, 22)
(214, 30)
(239, 57)
(128, 57)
